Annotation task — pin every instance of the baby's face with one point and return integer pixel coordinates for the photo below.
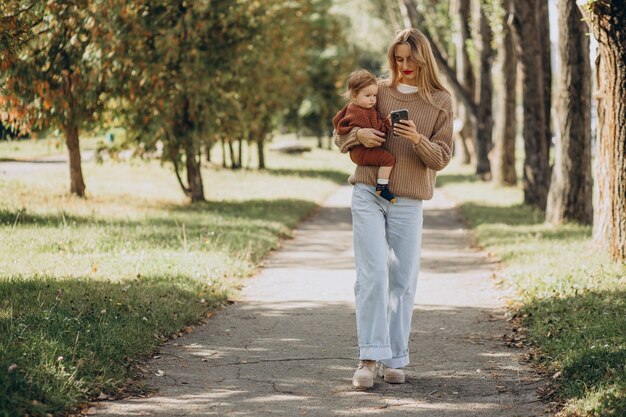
(366, 98)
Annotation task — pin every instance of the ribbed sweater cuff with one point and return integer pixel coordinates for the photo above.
(347, 141)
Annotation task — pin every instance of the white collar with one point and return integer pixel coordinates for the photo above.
(406, 88)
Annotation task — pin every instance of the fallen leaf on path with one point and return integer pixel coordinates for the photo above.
(159, 372)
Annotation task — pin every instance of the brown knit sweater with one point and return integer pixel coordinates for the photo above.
(414, 174)
(353, 115)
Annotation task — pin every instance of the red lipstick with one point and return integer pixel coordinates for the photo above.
(407, 72)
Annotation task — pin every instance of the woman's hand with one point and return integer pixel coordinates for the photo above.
(406, 128)
(370, 138)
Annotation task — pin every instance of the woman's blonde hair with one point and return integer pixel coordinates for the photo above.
(427, 76)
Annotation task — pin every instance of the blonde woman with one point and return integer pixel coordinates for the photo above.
(387, 237)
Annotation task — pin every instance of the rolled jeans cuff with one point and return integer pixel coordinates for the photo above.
(375, 352)
(400, 362)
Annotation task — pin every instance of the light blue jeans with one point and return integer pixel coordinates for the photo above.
(387, 246)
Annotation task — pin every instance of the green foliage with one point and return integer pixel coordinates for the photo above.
(16, 19)
(438, 20)
(571, 299)
(330, 60)
(59, 77)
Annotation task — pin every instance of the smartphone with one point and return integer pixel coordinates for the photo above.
(398, 115)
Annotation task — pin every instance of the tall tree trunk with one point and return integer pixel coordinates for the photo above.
(484, 119)
(571, 186)
(543, 20)
(194, 175)
(608, 22)
(465, 75)
(77, 184)
(536, 165)
(506, 123)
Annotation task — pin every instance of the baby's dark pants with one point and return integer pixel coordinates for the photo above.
(379, 157)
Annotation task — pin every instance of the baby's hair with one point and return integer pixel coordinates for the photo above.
(358, 80)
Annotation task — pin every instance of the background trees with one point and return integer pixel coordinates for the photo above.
(58, 78)
(194, 74)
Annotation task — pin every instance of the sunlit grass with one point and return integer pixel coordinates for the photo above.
(90, 286)
(569, 295)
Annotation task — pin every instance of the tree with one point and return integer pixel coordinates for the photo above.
(329, 62)
(174, 59)
(528, 44)
(543, 27)
(607, 19)
(484, 119)
(479, 112)
(570, 194)
(464, 72)
(59, 78)
(506, 122)
(279, 56)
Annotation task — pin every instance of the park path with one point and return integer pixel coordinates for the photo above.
(288, 347)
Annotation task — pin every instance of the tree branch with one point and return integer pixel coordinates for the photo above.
(450, 75)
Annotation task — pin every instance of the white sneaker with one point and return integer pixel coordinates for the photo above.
(391, 375)
(364, 375)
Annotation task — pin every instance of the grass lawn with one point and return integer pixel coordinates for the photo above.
(570, 298)
(90, 287)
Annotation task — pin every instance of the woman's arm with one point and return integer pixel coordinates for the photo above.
(436, 151)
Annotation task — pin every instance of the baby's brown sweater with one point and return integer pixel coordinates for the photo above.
(414, 174)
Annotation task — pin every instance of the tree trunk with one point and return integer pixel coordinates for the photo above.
(528, 45)
(223, 141)
(240, 154)
(77, 184)
(543, 19)
(571, 186)
(608, 22)
(465, 75)
(233, 159)
(261, 154)
(484, 119)
(506, 123)
(194, 175)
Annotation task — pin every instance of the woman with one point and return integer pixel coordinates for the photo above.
(387, 237)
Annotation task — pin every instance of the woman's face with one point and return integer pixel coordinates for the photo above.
(406, 65)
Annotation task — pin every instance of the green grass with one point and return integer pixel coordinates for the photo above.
(569, 296)
(90, 287)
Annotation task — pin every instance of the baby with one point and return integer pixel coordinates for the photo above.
(361, 112)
